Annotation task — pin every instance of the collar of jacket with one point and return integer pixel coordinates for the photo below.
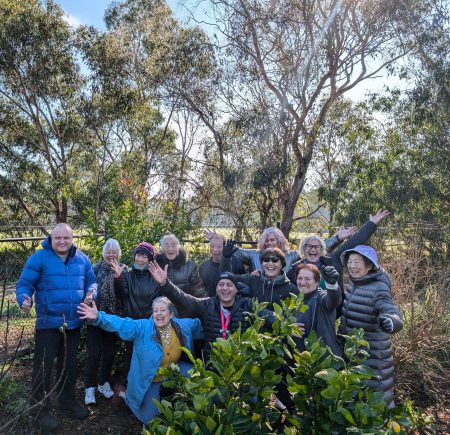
(279, 280)
(177, 329)
(139, 272)
(380, 275)
(178, 261)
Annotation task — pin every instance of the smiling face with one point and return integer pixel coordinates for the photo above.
(170, 248)
(226, 291)
(306, 281)
(141, 260)
(216, 248)
(356, 266)
(271, 265)
(110, 255)
(62, 239)
(161, 314)
(271, 241)
(313, 250)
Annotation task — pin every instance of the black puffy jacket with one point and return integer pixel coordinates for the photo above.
(137, 289)
(365, 300)
(208, 311)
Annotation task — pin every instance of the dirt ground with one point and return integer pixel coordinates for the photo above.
(112, 416)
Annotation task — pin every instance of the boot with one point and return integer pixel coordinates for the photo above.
(47, 420)
(72, 409)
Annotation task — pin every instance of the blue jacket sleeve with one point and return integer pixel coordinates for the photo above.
(90, 281)
(127, 329)
(29, 278)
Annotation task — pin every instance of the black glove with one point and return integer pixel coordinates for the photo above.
(229, 248)
(330, 275)
(386, 324)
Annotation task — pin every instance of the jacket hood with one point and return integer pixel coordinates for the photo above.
(47, 244)
(178, 261)
(281, 279)
(364, 250)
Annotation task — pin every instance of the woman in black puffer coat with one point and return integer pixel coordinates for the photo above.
(368, 304)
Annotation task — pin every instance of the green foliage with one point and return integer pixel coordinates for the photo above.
(234, 393)
(132, 222)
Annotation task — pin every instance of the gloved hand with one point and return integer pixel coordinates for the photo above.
(386, 324)
(330, 274)
(229, 248)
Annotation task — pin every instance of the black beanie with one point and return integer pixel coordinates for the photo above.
(230, 276)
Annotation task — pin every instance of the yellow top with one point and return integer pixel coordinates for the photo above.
(171, 354)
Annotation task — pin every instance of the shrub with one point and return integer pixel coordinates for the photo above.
(234, 393)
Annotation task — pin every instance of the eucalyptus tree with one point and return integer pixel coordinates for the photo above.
(280, 68)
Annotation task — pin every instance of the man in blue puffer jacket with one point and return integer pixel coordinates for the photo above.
(59, 277)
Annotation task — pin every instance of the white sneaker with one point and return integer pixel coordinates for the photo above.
(105, 389)
(89, 396)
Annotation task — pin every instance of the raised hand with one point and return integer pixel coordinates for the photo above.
(26, 304)
(379, 216)
(87, 312)
(256, 272)
(159, 275)
(330, 274)
(89, 297)
(386, 324)
(115, 266)
(209, 234)
(345, 233)
(229, 249)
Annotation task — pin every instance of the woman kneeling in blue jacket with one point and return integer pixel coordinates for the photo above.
(157, 343)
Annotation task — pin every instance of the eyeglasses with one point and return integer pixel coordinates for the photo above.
(272, 259)
(316, 247)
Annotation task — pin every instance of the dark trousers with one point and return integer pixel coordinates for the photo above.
(50, 344)
(101, 346)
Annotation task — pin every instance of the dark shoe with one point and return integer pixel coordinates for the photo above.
(47, 421)
(73, 410)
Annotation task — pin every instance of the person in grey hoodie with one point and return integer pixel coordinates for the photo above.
(368, 304)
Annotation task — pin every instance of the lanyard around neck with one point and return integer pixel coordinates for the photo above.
(224, 323)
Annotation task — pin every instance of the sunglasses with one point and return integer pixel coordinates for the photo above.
(272, 259)
(316, 247)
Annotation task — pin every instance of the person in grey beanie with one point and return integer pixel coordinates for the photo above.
(368, 304)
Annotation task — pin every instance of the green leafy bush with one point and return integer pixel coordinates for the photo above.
(234, 393)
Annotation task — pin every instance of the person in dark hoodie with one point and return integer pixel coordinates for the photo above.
(272, 285)
(321, 314)
(368, 305)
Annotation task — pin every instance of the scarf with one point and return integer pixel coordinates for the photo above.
(107, 300)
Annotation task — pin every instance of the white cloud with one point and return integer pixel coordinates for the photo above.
(72, 20)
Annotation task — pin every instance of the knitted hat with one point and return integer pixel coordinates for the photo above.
(230, 276)
(273, 252)
(364, 250)
(147, 249)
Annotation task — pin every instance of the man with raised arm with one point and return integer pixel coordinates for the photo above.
(58, 277)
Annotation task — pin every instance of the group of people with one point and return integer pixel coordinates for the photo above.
(164, 301)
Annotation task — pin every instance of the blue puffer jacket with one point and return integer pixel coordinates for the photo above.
(147, 349)
(58, 286)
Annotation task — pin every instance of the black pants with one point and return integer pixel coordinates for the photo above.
(101, 346)
(50, 344)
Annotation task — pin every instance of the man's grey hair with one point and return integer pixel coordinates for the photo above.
(111, 244)
(307, 240)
